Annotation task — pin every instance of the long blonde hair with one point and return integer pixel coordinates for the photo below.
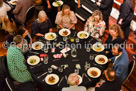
(65, 6)
(117, 29)
(95, 13)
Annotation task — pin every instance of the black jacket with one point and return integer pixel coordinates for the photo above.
(106, 7)
(126, 12)
(110, 85)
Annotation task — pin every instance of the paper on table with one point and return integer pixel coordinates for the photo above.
(66, 49)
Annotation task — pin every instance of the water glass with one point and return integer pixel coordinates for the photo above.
(88, 49)
(50, 70)
(91, 57)
(64, 38)
(45, 61)
(77, 40)
(60, 69)
(46, 50)
(76, 71)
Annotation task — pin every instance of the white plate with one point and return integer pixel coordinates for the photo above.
(63, 30)
(83, 35)
(80, 79)
(55, 4)
(36, 58)
(94, 69)
(50, 36)
(101, 56)
(100, 47)
(55, 76)
(40, 44)
(12, 2)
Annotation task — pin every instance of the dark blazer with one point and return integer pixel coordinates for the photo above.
(21, 8)
(126, 12)
(121, 65)
(106, 7)
(110, 85)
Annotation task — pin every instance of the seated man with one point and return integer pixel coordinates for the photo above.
(16, 61)
(120, 61)
(112, 82)
(73, 81)
(41, 25)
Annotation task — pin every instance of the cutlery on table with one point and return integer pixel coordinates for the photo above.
(87, 77)
(60, 81)
(83, 75)
(42, 74)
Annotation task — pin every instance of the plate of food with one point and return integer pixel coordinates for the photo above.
(82, 35)
(50, 36)
(101, 59)
(13, 2)
(37, 45)
(98, 47)
(94, 72)
(33, 60)
(57, 3)
(52, 79)
(64, 32)
(80, 79)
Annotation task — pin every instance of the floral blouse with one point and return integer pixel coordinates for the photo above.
(95, 30)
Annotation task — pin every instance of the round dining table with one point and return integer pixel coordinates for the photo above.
(69, 63)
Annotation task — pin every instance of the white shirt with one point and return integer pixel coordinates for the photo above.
(4, 9)
(116, 58)
(74, 88)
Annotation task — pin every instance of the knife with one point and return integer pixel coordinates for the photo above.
(42, 74)
(60, 81)
(87, 77)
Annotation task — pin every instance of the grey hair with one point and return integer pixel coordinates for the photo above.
(42, 14)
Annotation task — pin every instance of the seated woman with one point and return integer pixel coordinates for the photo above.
(4, 8)
(95, 25)
(27, 40)
(66, 18)
(41, 25)
(115, 37)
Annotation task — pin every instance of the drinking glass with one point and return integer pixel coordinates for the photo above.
(77, 40)
(91, 57)
(88, 49)
(76, 71)
(64, 38)
(50, 70)
(60, 69)
(46, 50)
(45, 61)
(72, 39)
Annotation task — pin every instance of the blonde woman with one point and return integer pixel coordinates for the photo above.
(95, 24)
(66, 18)
(41, 25)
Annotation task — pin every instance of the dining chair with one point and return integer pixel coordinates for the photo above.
(130, 70)
(29, 14)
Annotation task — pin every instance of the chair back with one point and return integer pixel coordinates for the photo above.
(3, 65)
(29, 13)
(10, 84)
(130, 69)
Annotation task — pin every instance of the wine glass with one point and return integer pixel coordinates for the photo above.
(50, 70)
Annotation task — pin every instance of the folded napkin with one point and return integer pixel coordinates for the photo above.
(57, 55)
(66, 49)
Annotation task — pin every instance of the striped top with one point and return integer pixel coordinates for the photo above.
(16, 65)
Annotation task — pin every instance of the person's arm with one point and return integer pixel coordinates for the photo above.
(8, 7)
(72, 25)
(73, 20)
(48, 4)
(19, 62)
(102, 28)
(105, 5)
(58, 19)
(125, 10)
(38, 34)
(18, 7)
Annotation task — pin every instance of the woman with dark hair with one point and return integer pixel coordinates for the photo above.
(126, 16)
(27, 40)
(3, 9)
